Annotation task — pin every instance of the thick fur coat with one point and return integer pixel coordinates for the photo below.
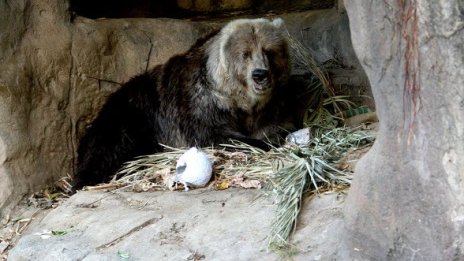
(226, 86)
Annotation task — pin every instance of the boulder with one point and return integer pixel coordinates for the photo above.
(197, 225)
(406, 201)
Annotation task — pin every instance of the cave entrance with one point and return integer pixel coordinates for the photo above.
(191, 9)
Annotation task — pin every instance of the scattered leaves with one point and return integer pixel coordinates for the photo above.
(123, 254)
(46, 234)
(224, 184)
(59, 232)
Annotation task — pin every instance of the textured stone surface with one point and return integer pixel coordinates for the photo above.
(56, 75)
(406, 202)
(56, 72)
(219, 225)
(33, 90)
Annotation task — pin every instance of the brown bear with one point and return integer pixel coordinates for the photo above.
(228, 85)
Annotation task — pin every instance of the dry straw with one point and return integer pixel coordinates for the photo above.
(288, 172)
(310, 169)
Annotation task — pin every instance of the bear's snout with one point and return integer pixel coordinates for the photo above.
(259, 75)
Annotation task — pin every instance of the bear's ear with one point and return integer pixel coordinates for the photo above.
(278, 23)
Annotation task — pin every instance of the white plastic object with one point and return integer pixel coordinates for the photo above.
(193, 169)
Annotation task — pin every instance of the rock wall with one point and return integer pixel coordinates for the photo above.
(407, 199)
(31, 90)
(55, 76)
(56, 72)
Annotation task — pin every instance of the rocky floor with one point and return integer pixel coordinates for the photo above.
(198, 225)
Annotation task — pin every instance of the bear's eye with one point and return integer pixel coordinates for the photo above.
(246, 55)
(270, 53)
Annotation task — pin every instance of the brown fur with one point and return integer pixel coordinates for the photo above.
(228, 85)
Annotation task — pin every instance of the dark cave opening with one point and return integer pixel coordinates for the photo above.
(190, 9)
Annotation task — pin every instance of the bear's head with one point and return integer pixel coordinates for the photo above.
(249, 59)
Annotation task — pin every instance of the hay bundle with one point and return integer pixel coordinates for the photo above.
(308, 170)
(288, 172)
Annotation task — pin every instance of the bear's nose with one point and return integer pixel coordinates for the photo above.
(259, 75)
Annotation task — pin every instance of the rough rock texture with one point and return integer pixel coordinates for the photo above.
(326, 33)
(407, 199)
(56, 72)
(56, 75)
(215, 225)
(33, 97)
